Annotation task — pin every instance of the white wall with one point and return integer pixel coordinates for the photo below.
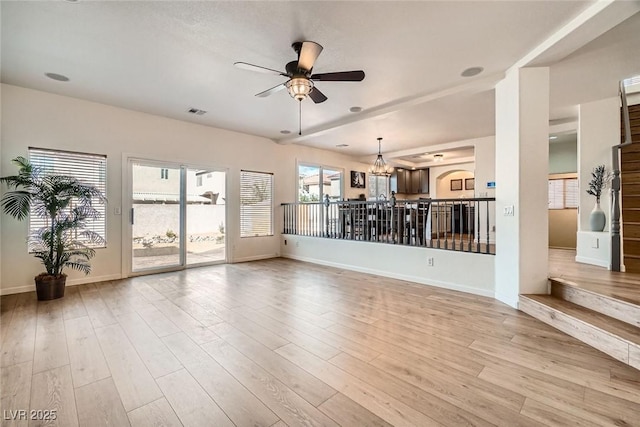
(399, 262)
(39, 119)
(563, 157)
(598, 131)
(443, 185)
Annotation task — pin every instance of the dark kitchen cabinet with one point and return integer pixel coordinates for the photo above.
(410, 181)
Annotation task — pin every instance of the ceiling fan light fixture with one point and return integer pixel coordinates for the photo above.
(380, 167)
(299, 87)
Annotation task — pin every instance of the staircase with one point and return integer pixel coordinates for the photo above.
(630, 174)
(608, 323)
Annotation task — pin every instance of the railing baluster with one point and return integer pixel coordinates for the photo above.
(403, 222)
(488, 248)
(478, 230)
(471, 208)
(438, 224)
(453, 225)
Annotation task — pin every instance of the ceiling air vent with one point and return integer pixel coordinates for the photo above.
(196, 111)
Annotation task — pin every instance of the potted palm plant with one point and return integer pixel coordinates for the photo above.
(65, 204)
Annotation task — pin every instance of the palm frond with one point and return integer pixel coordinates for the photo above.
(66, 204)
(16, 203)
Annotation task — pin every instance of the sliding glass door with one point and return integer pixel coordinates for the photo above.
(177, 216)
(206, 222)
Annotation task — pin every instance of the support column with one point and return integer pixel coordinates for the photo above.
(522, 169)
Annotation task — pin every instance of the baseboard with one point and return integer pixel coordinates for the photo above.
(71, 282)
(509, 300)
(254, 258)
(592, 261)
(408, 278)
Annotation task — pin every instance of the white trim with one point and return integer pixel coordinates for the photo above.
(406, 277)
(592, 261)
(72, 282)
(509, 300)
(254, 258)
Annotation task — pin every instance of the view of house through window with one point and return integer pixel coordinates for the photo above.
(178, 216)
(314, 181)
(89, 169)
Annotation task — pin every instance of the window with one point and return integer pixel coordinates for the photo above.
(315, 181)
(378, 185)
(256, 204)
(90, 169)
(563, 193)
(164, 173)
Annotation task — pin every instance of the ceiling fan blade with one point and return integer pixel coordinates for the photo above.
(308, 54)
(270, 91)
(251, 67)
(340, 76)
(317, 96)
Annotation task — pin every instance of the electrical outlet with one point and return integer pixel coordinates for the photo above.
(117, 210)
(297, 244)
(430, 261)
(508, 210)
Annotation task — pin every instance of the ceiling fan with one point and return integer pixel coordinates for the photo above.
(301, 80)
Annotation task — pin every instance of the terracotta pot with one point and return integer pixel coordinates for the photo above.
(50, 287)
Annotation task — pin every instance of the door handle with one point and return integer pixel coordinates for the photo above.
(132, 216)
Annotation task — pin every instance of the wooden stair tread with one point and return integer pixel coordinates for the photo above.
(607, 324)
(607, 290)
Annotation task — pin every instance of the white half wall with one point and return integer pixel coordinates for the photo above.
(467, 272)
(593, 247)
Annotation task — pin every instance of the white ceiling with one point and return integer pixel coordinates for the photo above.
(166, 57)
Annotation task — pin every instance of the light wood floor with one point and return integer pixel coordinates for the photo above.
(623, 286)
(280, 342)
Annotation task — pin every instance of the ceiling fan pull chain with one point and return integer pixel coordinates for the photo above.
(300, 117)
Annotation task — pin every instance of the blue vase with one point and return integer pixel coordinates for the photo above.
(597, 219)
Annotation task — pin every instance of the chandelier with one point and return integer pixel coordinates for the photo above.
(380, 167)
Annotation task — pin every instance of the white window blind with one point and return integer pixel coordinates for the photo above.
(90, 169)
(563, 193)
(256, 204)
(571, 193)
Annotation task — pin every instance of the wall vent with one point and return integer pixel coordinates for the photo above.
(196, 111)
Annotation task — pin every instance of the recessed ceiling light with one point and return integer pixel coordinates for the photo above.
(473, 71)
(355, 109)
(438, 157)
(58, 77)
(399, 169)
(551, 138)
(342, 145)
(285, 132)
(71, 1)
